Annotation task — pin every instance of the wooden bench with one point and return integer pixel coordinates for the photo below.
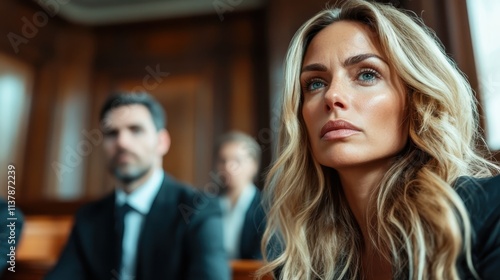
(245, 269)
(43, 237)
(36, 270)
(40, 244)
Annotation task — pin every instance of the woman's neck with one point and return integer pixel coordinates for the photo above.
(358, 185)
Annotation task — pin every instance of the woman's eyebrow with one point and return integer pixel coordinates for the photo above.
(360, 57)
(314, 67)
(348, 62)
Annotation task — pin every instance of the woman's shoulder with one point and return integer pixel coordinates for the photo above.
(481, 197)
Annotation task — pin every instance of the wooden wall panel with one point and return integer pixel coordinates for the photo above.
(242, 104)
(39, 128)
(98, 181)
(61, 56)
(15, 102)
(68, 147)
(211, 65)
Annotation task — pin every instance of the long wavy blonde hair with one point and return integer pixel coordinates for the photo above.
(418, 222)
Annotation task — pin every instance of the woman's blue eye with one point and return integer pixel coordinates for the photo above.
(367, 76)
(314, 85)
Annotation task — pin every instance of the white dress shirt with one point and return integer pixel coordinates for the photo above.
(140, 200)
(233, 219)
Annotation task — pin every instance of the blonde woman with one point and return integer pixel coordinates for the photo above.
(378, 175)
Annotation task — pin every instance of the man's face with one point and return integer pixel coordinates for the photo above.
(132, 144)
(235, 165)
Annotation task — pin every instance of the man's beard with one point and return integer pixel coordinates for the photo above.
(129, 177)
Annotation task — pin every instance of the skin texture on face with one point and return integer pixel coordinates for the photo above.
(235, 165)
(132, 145)
(353, 102)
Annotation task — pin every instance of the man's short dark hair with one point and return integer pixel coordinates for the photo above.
(120, 99)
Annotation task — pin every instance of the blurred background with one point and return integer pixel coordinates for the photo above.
(215, 65)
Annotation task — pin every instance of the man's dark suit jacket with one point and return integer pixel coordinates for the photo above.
(181, 239)
(253, 229)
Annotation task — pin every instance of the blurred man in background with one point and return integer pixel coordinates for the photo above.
(151, 226)
(237, 163)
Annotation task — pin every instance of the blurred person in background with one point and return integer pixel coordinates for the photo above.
(150, 226)
(237, 161)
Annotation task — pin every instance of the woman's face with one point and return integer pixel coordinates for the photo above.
(353, 102)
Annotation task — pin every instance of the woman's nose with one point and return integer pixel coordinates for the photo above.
(335, 97)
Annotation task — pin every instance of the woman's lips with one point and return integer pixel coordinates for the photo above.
(338, 129)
